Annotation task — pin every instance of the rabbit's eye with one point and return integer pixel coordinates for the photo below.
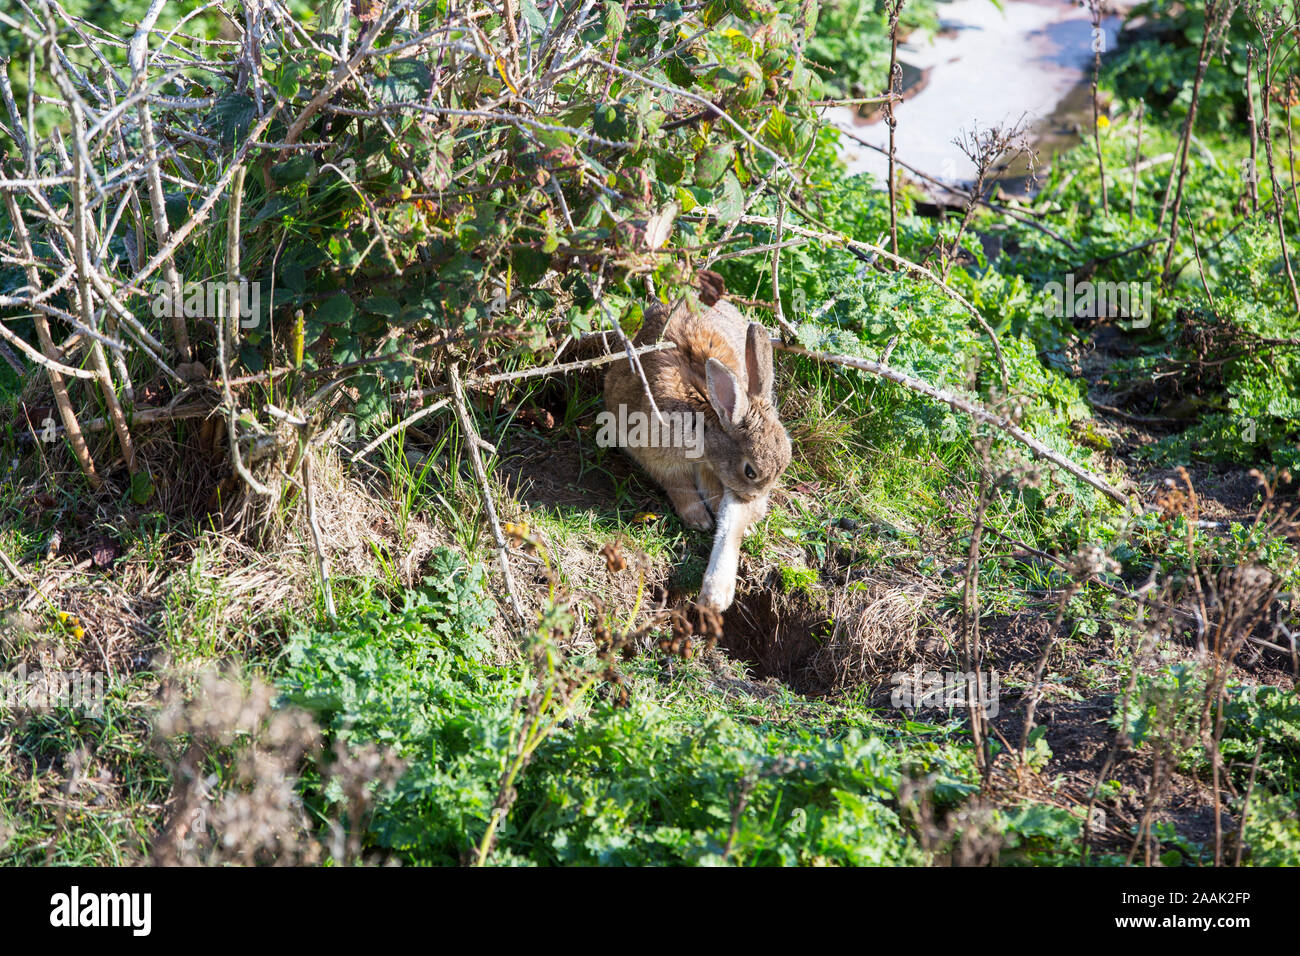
(749, 472)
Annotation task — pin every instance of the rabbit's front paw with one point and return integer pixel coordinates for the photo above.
(718, 593)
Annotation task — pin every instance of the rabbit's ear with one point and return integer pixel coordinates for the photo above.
(728, 399)
(758, 360)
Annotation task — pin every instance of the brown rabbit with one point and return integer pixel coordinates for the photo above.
(719, 376)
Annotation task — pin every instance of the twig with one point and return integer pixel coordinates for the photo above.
(891, 120)
(962, 405)
(1217, 13)
(1279, 211)
(137, 53)
(473, 442)
(393, 430)
(148, 416)
(1200, 266)
(1245, 804)
(17, 574)
(322, 563)
(967, 195)
(81, 227)
(576, 366)
(61, 399)
(1094, 11)
(223, 368)
(1252, 174)
(776, 271)
(1137, 154)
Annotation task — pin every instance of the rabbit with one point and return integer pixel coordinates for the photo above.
(719, 374)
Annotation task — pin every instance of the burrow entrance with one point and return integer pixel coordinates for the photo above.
(779, 636)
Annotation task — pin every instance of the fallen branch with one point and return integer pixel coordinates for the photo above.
(962, 405)
(576, 366)
(473, 441)
(140, 416)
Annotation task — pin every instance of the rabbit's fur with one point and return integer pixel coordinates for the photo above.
(722, 369)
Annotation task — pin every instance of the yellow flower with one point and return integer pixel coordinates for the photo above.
(1103, 122)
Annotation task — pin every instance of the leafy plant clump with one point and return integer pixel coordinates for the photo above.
(645, 783)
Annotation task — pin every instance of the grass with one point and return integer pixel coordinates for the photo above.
(762, 780)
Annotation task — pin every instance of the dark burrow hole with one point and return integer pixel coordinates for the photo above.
(778, 636)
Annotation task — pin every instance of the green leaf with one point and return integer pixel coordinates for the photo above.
(275, 209)
(346, 350)
(141, 487)
(383, 305)
(251, 357)
(678, 71)
(631, 321)
(177, 208)
(711, 163)
(714, 13)
(312, 330)
(372, 406)
(615, 20)
(529, 265)
(231, 117)
(778, 131)
(731, 203)
(407, 81)
(294, 277)
(534, 16)
(301, 168)
(287, 85)
(336, 310)
(343, 252)
(614, 121)
(670, 12)
(670, 168)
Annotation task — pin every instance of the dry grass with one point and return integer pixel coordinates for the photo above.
(881, 627)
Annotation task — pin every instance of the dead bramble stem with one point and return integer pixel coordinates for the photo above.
(1095, 12)
(473, 442)
(968, 407)
(919, 270)
(891, 99)
(986, 150)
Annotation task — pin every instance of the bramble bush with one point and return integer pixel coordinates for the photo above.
(411, 184)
